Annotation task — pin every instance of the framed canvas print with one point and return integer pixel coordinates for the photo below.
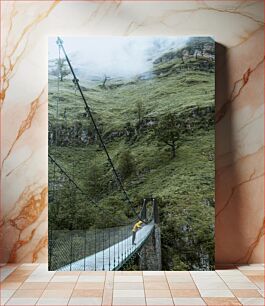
(131, 153)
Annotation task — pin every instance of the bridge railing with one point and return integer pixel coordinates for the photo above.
(66, 247)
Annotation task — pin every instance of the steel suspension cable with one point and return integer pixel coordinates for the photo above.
(62, 170)
(88, 110)
(69, 177)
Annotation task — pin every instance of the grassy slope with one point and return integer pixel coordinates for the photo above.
(159, 95)
(186, 181)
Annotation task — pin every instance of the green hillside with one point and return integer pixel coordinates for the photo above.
(129, 113)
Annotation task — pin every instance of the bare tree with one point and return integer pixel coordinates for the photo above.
(104, 81)
(139, 111)
(59, 67)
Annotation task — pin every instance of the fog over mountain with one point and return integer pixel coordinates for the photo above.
(125, 57)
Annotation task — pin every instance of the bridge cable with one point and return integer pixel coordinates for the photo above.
(62, 170)
(88, 110)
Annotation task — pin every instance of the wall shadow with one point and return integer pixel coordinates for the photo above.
(227, 227)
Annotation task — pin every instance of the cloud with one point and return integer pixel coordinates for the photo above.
(114, 56)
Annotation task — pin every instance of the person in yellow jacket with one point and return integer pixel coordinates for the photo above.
(136, 227)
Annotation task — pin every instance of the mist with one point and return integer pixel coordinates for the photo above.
(115, 57)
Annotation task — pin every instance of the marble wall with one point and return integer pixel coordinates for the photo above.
(238, 29)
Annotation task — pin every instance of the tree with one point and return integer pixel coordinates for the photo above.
(168, 131)
(126, 164)
(95, 177)
(60, 67)
(104, 81)
(140, 111)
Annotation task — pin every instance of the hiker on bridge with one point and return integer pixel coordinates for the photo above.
(136, 227)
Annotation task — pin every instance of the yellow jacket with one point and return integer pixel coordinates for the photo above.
(137, 226)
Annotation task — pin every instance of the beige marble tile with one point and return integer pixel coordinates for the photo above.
(22, 301)
(3, 300)
(10, 285)
(253, 272)
(213, 301)
(32, 293)
(257, 267)
(153, 273)
(241, 293)
(56, 294)
(149, 293)
(214, 285)
(251, 301)
(89, 285)
(128, 279)
(87, 293)
(28, 266)
(156, 293)
(85, 301)
(182, 286)
(216, 293)
(60, 286)
(91, 278)
(156, 285)
(129, 286)
(261, 292)
(179, 279)
(260, 285)
(5, 293)
(107, 297)
(33, 286)
(235, 279)
(128, 293)
(241, 285)
(53, 301)
(64, 279)
(204, 274)
(122, 301)
(39, 278)
(184, 293)
(5, 272)
(130, 273)
(155, 278)
(188, 301)
(229, 272)
(159, 301)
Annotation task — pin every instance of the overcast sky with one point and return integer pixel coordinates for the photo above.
(114, 56)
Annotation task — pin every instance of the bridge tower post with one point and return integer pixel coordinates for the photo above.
(150, 254)
(143, 212)
(155, 211)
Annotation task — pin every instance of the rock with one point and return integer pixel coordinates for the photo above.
(75, 135)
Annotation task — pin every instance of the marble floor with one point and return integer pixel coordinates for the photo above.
(33, 284)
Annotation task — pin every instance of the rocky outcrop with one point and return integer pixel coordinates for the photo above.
(201, 64)
(195, 48)
(73, 135)
(76, 134)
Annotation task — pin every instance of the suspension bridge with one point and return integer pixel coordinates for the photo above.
(114, 256)
(109, 248)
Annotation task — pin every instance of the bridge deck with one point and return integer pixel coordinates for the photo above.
(113, 257)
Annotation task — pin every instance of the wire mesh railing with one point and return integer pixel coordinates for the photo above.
(93, 249)
(74, 244)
